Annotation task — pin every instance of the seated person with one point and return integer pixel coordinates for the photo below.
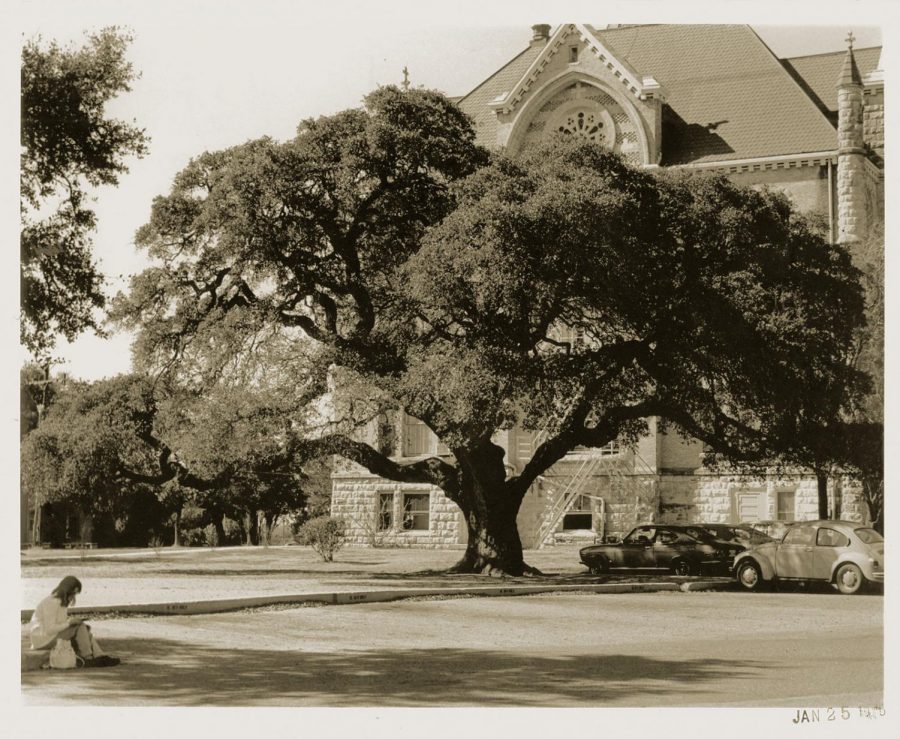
(50, 622)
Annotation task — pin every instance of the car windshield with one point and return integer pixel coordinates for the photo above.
(699, 533)
(869, 536)
(726, 533)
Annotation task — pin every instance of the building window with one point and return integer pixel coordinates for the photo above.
(573, 54)
(416, 511)
(586, 124)
(385, 511)
(415, 437)
(579, 516)
(785, 509)
(418, 439)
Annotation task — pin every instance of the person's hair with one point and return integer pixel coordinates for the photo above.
(66, 589)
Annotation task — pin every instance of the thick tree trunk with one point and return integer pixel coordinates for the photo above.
(822, 485)
(494, 546)
(176, 520)
(490, 509)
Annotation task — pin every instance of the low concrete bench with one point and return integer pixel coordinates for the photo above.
(34, 659)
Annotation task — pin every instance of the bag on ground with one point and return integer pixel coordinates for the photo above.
(62, 656)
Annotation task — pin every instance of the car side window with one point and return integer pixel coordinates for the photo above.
(800, 536)
(831, 538)
(641, 535)
(666, 537)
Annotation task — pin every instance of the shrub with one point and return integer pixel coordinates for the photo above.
(232, 532)
(193, 537)
(324, 534)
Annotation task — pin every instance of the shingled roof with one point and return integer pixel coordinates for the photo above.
(818, 74)
(728, 96)
(476, 102)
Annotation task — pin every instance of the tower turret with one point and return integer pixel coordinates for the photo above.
(851, 168)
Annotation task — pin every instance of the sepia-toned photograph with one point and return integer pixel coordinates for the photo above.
(375, 360)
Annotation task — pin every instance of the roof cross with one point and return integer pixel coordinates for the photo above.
(405, 82)
(850, 39)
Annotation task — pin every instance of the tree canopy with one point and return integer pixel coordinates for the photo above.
(229, 453)
(69, 145)
(429, 276)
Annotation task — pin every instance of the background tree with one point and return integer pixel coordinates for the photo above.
(37, 391)
(73, 457)
(68, 145)
(230, 453)
(435, 282)
(864, 437)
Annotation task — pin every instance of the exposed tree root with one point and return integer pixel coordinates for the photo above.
(478, 565)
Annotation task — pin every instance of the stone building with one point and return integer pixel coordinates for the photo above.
(708, 97)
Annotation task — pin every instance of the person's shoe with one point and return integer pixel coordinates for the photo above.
(104, 660)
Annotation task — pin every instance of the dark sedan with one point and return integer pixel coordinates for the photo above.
(681, 550)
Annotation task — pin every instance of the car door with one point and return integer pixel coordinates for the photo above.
(794, 558)
(830, 543)
(665, 549)
(637, 548)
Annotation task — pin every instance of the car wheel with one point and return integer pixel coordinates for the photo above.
(849, 579)
(682, 567)
(600, 567)
(749, 575)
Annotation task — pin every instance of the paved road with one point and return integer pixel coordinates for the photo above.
(660, 649)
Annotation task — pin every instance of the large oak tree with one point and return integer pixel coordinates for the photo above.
(435, 279)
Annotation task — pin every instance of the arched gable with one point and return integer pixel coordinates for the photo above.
(580, 104)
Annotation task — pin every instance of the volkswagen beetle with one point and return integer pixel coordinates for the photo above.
(844, 553)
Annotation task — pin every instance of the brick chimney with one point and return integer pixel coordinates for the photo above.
(540, 34)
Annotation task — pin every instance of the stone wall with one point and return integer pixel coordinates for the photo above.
(355, 499)
(873, 121)
(714, 497)
(807, 187)
(677, 452)
(628, 498)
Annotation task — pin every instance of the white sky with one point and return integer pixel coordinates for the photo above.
(214, 74)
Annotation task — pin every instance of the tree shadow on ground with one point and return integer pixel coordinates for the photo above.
(164, 672)
(823, 588)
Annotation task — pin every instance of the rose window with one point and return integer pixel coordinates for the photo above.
(583, 124)
(588, 122)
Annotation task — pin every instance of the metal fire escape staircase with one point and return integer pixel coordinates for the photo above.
(625, 469)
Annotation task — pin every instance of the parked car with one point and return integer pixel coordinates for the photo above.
(742, 533)
(774, 529)
(675, 548)
(844, 553)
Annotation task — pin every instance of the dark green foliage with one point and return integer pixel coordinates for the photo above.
(68, 146)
